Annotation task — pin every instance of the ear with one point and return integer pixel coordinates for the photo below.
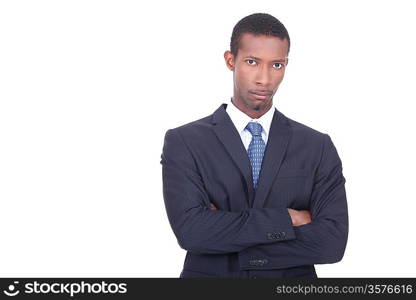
(287, 61)
(229, 60)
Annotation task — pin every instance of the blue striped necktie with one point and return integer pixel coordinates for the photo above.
(255, 150)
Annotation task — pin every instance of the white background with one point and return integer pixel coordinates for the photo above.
(89, 88)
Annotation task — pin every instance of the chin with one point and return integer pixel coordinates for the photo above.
(257, 104)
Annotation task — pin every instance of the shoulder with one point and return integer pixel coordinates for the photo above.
(309, 139)
(306, 137)
(300, 128)
(192, 129)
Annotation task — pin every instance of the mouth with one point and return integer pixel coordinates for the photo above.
(260, 95)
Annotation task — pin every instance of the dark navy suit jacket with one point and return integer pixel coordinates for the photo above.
(251, 234)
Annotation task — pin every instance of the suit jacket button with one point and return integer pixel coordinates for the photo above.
(283, 234)
(270, 236)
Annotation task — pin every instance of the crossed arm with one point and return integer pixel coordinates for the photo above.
(298, 217)
(303, 237)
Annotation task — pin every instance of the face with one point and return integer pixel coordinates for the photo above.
(258, 69)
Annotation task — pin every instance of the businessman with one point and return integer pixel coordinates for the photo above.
(249, 192)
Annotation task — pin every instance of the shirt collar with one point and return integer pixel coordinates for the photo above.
(241, 120)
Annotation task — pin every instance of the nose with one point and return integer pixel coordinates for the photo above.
(263, 76)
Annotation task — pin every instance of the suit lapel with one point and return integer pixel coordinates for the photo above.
(277, 143)
(230, 138)
(278, 140)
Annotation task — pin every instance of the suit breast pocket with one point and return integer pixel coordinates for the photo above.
(290, 189)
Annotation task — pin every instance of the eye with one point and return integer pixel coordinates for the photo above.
(251, 62)
(278, 65)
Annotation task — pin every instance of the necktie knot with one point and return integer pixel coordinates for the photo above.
(254, 128)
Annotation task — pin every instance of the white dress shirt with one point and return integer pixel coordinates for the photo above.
(241, 120)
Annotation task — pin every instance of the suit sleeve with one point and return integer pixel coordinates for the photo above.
(202, 230)
(324, 239)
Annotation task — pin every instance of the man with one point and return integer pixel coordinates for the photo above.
(250, 193)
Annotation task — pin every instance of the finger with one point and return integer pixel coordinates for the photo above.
(212, 206)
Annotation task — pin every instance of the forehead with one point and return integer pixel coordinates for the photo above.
(263, 46)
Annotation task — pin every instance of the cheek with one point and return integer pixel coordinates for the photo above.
(243, 78)
(279, 79)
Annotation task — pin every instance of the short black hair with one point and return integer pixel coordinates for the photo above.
(257, 24)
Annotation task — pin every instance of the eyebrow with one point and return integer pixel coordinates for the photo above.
(257, 58)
